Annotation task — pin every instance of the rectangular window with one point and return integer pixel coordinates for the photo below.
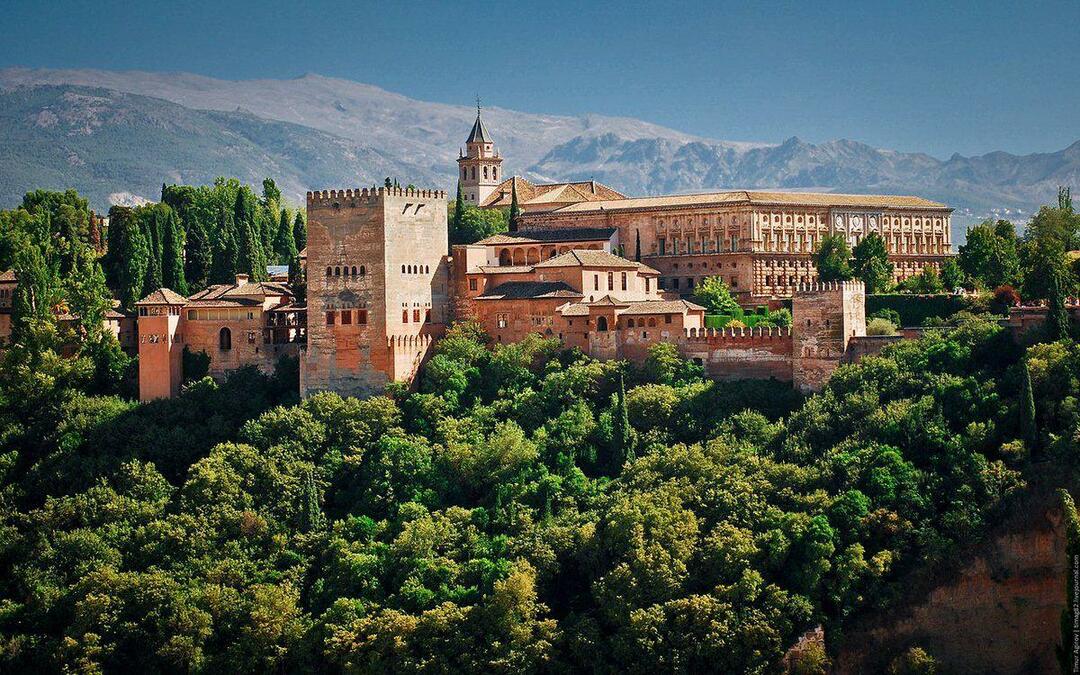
(472, 284)
(624, 281)
(346, 317)
(192, 314)
(329, 318)
(427, 316)
(667, 318)
(611, 281)
(404, 316)
(646, 284)
(416, 316)
(361, 316)
(675, 284)
(661, 242)
(596, 282)
(500, 320)
(689, 283)
(734, 282)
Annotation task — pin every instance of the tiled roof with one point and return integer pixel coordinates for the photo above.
(822, 199)
(526, 290)
(9, 275)
(608, 301)
(572, 234)
(252, 292)
(163, 296)
(587, 258)
(505, 269)
(549, 193)
(573, 309)
(479, 133)
(661, 307)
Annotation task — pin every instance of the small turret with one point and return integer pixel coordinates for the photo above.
(480, 167)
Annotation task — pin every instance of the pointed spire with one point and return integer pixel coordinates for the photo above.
(479, 133)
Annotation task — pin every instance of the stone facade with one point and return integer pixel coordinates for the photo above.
(479, 166)
(378, 283)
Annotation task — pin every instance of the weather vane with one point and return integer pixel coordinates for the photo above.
(478, 105)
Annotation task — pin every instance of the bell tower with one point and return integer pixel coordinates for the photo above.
(479, 167)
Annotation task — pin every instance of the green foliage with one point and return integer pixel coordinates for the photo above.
(913, 310)
(915, 661)
(469, 224)
(926, 282)
(990, 255)
(833, 258)
(952, 277)
(515, 210)
(870, 263)
(879, 326)
(194, 365)
(713, 294)
(1064, 651)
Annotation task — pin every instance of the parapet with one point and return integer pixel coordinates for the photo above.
(762, 333)
(349, 197)
(830, 286)
(415, 340)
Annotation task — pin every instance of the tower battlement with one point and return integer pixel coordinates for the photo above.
(756, 333)
(350, 196)
(829, 286)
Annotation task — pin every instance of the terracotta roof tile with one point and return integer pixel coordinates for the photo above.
(163, 296)
(661, 307)
(573, 234)
(587, 258)
(9, 275)
(549, 193)
(529, 290)
(757, 197)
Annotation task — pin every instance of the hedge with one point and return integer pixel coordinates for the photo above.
(914, 310)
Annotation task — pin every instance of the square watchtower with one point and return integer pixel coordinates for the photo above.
(378, 275)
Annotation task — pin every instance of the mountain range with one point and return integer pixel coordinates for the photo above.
(116, 136)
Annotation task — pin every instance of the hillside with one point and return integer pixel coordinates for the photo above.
(314, 131)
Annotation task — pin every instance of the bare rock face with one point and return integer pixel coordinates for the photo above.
(999, 614)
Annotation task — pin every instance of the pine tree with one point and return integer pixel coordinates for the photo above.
(198, 256)
(172, 256)
(284, 242)
(299, 230)
(1027, 410)
(515, 210)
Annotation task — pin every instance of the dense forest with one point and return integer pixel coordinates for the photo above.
(527, 508)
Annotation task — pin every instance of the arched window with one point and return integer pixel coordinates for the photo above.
(362, 271)
(354, 270)
(652, 322)
(403, 269)
(337, 271)
(225, 339)
(329, 271)
(601, 324)
(427, 269)
(464, 173)
(485, 173)
(494, 173)
(474, 173)
(404, 316)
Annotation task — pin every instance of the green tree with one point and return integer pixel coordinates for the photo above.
(300, 231)
(284, 243)
(198, 256)
(951, 275)
(133, 260)
(622, 437)
(250, 260)
(713, 294)
(870, 263)
(172, 253)
(35, 295)
(476, 224)
(1064, 650)
(297, 282)
(990, 256)
(833, 258)
(515, 210)
(1057, 317)
(1027, 409)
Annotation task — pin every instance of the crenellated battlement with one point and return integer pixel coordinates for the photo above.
(717, 335)
(828, 286)
(348, 197)
(421, 340)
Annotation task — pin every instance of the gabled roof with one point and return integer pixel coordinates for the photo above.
(479, 133)
(163, 296)
(661, 307)
(587, 258)
(608, 301)
(8, 275)
(529, 193)
(530, 290)
(574, 234)
(250, 293)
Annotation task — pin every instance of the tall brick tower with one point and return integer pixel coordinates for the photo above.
(480, 167)
(378, 274)
(161, 345)
(825, 316)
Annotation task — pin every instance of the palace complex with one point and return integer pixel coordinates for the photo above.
(608, 274)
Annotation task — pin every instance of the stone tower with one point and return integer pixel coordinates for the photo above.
(480, 167)
(378, 274)
(161, 345)
(825, 316)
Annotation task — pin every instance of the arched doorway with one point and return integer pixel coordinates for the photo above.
(225, 339)
(601, 324)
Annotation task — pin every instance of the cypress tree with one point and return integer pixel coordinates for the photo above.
(119, 218)
(459, 216)
(296, 280)
(622, 437)
(284, 242)
(637, 248)
(133, 258)
(223, 270)
(149, 226)
(250, 258)
(312, 517)
(1072, 556)
(1027, 409)
(198, 256)
(172, 256)
(515, 210)
(1057, 319)
(299, 231)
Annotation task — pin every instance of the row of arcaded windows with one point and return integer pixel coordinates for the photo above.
(465, 173)
(415, 269)
(346, 271)
(345, 317)
(415, 316)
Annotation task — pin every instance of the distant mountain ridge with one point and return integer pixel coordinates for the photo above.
(314, 131)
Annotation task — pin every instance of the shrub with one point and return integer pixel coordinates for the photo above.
(915, 661)
(890, 315)
(880, 326)
(1005, 296)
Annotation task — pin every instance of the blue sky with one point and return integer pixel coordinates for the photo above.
(935, 77)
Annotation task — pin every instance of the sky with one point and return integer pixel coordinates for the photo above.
(934, 77)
